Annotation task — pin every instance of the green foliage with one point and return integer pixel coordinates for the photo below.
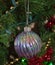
(41, 9)
(3, 54)
(3, 7)
(8, 28)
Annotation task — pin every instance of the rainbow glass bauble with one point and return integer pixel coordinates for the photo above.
(27, 44)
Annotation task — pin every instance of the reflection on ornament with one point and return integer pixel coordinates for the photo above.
(27, 44)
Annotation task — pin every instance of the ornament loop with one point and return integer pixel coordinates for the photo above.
(26, 29)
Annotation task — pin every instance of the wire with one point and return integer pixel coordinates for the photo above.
(14, 3)
(27, 13)
(26, 2)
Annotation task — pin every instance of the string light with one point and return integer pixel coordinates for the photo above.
(18, 28)
(12, 62)
(16, 59)
(53, 30)
(17, 2)
(49, 39)
(46, 48)
(47, 45)
(6, 12)
(11, 7)
(11, 57)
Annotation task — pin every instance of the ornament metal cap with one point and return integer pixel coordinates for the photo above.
(27, 29)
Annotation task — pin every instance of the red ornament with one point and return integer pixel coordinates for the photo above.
(32, 61)
(52, 19)
(49, 51)
(35, 61)
(48, 55)
(50, 22)
(38, 60)
(48, 58)
(49, 25)
(38, 64)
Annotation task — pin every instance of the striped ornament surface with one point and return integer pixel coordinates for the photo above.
(27, 44)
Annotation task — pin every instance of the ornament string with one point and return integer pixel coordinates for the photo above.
(27, 20)
(13, 2)
(27, 11)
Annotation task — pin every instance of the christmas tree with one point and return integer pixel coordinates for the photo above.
(41, 21)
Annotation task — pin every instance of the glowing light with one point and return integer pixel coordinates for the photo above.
(11, 7)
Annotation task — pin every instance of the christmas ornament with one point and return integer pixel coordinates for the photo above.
(52, 19)
(23, 61)
(49, 25)
(43, 59)
(35, 61)
(48, 63)
(27, 44)
(48, 55)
